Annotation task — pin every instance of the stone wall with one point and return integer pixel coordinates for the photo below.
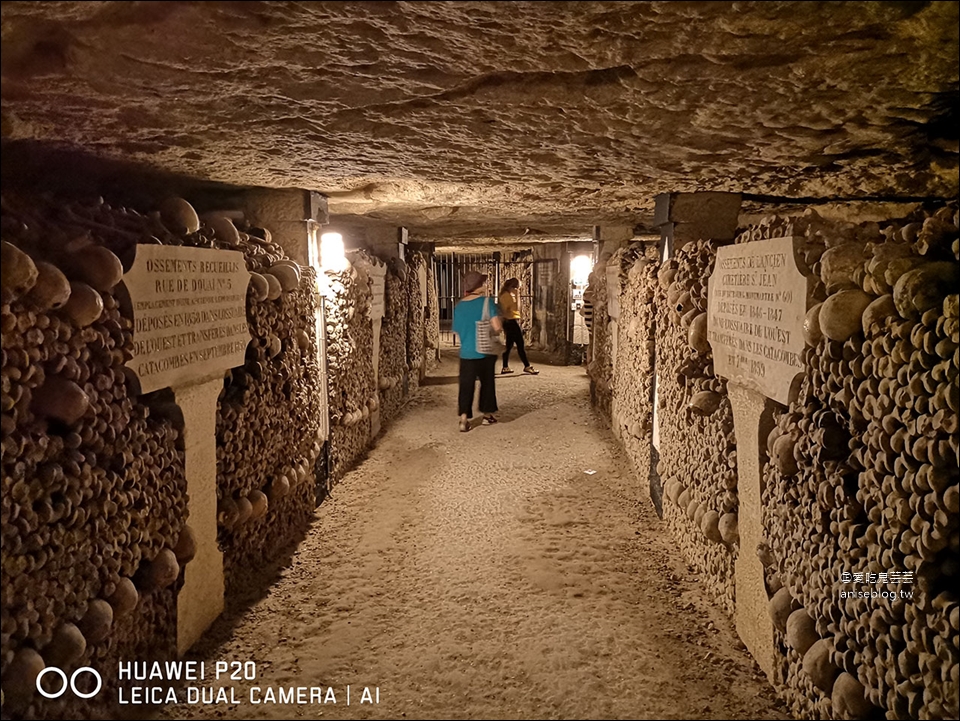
(284, 211)
(861, 473)
(94, 507)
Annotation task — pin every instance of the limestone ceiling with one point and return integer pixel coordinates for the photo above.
(497, 118)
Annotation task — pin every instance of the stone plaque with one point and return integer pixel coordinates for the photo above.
(757, 302)
(189, 314)
(378, 276)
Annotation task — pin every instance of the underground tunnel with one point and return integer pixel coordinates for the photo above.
(713, 473)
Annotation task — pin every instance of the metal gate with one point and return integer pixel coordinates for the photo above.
(449, 269)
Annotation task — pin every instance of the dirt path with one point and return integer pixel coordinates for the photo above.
(489, 575)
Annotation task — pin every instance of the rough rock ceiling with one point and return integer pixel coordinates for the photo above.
(491, 118)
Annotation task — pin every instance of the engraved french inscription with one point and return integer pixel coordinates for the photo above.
(189, 314)
(757, 302)
(378, 305)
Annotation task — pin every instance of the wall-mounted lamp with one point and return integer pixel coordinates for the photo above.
(332, 256)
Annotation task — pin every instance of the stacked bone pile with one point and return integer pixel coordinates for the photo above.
(633, 382)
(352, 393)
(863, 480)
(698, 458)
(415, 335)
(94, 494)
(431, 323)
(777, 226)
(268, 425)
(634, 361)
(393, 341)
(600, 367)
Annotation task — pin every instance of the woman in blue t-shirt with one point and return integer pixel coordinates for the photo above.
(473, 364)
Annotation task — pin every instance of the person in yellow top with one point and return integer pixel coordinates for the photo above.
(509, 303)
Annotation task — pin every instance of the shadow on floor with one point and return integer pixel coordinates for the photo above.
(439, 381)
(452, 380)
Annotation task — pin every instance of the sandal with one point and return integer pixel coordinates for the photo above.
(531, 370)
(464, 426)
(489, 420)
(504, 371)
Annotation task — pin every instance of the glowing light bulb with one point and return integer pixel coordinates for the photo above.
(580, 268)
(332, 257)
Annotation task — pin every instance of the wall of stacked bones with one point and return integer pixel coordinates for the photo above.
(861, 469)
(600, 366)
(95, 533)
(351, 388)
(431, 320)
(393, 335)
(401, 334)
(416, 322)
(354, 393)
(632, 384)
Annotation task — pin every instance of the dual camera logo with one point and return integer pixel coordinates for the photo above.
(71, 682)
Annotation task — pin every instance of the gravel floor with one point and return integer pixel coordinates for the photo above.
(513, 571)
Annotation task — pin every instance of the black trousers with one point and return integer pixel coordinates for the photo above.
(470, 371)
(514, 334)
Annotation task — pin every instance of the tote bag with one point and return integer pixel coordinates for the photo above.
(489, 341)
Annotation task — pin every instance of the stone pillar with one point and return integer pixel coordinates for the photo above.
(683, 217)
(752, 419)
(385, 241)
(155, 284)
(612, 237)
(290, 215)
(200, 600)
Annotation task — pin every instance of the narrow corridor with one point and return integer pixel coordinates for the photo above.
(508, 572)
